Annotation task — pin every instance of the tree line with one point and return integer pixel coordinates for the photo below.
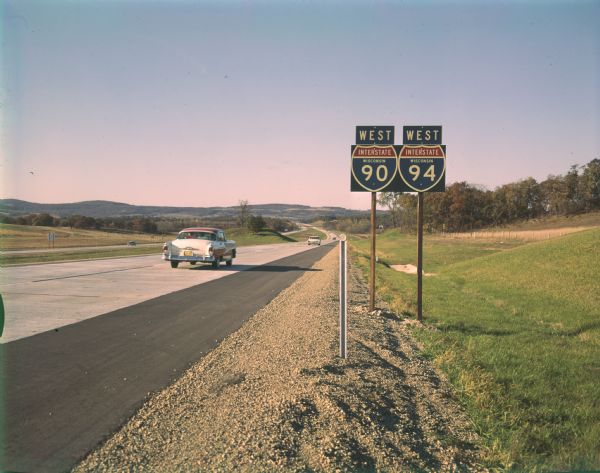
(137, 224)
(466, 206)
(255, 223)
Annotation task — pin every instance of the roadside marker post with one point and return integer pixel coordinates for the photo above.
(343, 296)
(51, 238)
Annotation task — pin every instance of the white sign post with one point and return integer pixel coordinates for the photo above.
(343, 296)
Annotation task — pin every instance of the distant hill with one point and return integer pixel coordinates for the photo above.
(104, 208)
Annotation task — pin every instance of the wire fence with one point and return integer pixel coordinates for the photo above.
(516, 234)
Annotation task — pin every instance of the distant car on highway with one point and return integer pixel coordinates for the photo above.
(200, 245)
(314, 240)
(131, 243)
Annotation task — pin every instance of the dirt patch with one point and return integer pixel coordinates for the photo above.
(275, 396)
(408, 269)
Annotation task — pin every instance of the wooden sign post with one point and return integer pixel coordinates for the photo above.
(373, 252)
(420, 258)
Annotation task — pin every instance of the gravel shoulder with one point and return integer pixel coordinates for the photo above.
(275, 396)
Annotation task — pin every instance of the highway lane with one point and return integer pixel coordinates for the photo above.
(46, 297)
(77, 249)
(66, 390)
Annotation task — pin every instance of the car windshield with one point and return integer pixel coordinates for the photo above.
(197, 235)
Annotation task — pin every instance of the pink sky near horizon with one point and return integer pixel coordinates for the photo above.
(203, 104)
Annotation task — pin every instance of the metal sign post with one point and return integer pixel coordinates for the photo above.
(343, 296)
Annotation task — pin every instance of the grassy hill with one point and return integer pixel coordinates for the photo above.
(244, 237)
(103, 208)
(516, 327)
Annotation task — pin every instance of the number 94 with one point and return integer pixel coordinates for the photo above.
(415, 172)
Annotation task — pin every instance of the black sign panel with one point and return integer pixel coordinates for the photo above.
(397, 183)
(374, 135)
(418, 165)
(374, 167)
(422, 135)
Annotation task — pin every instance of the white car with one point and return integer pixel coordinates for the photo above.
(314, 240)
(200, 245)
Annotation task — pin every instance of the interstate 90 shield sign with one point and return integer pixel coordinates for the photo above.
(422, 166)
(375, 166)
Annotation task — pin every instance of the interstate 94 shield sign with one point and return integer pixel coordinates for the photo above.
(422, 166)
(375, 166)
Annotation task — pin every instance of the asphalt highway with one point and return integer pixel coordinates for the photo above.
(45, 297)
(67, 389)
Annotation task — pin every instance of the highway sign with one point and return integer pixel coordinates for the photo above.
(374, 167)
(422, 167)
(374, 135)
(422, 135)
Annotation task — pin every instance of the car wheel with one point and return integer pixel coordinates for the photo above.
(192, 263)
(215, 264)
(229, 262)
(174, 264)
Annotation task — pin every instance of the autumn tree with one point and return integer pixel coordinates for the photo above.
(243, 213)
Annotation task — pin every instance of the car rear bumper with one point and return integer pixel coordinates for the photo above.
(188, 259)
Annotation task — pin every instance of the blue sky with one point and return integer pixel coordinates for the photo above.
(206, 103)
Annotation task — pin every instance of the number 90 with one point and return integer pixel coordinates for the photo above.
(381, 172)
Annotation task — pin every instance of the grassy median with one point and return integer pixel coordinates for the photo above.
(33, 236)
(27, 237)
(516, 327)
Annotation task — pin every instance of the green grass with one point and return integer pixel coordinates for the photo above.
(304, 234)
(245, 237)
(518, 334)
(394, 247)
